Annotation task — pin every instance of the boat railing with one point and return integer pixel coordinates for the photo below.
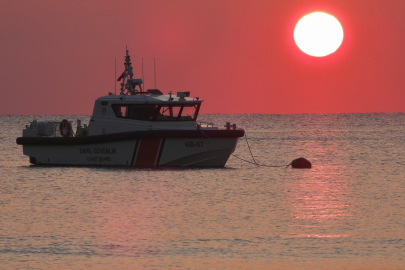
(63, 129)
(54, 128)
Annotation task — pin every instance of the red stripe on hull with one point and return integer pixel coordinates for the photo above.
(147, 153)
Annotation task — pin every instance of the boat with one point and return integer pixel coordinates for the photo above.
(133, 128)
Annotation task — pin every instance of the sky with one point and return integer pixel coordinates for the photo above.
(57, 57)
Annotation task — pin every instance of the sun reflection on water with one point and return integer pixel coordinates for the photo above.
(319, 198)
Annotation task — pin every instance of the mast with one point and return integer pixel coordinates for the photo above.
(127, 72)
(128, 83)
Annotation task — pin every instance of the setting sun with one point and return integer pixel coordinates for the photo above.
(318, 34)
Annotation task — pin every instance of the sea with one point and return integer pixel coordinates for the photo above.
(346, 212)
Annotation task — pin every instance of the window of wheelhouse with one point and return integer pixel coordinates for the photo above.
(137, 112)
(190, 112)
(168, 113)
(150, 112)
(121, 111)
(178, 112)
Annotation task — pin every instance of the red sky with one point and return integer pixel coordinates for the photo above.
(57, 57)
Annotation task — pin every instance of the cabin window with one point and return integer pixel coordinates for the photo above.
(168, 113)
(121, 111)
(178, 112)
(154, 112)
(142, 112)
(189, 112)
(137, 112)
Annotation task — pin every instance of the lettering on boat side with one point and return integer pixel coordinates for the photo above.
(98, 150)
(194, 144)
(100, 159)
(85, 150)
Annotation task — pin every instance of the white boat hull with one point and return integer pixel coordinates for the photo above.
(142, 152)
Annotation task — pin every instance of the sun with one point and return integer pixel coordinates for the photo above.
(318, 34)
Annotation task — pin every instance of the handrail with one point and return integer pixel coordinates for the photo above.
(57, 132)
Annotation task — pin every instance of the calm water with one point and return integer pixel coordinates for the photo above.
(347, 212)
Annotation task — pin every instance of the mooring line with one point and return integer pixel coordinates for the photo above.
(255, 163)
(250, 150)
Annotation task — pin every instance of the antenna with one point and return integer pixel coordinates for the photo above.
(115, 78)
(154, 69)
(143, 80)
